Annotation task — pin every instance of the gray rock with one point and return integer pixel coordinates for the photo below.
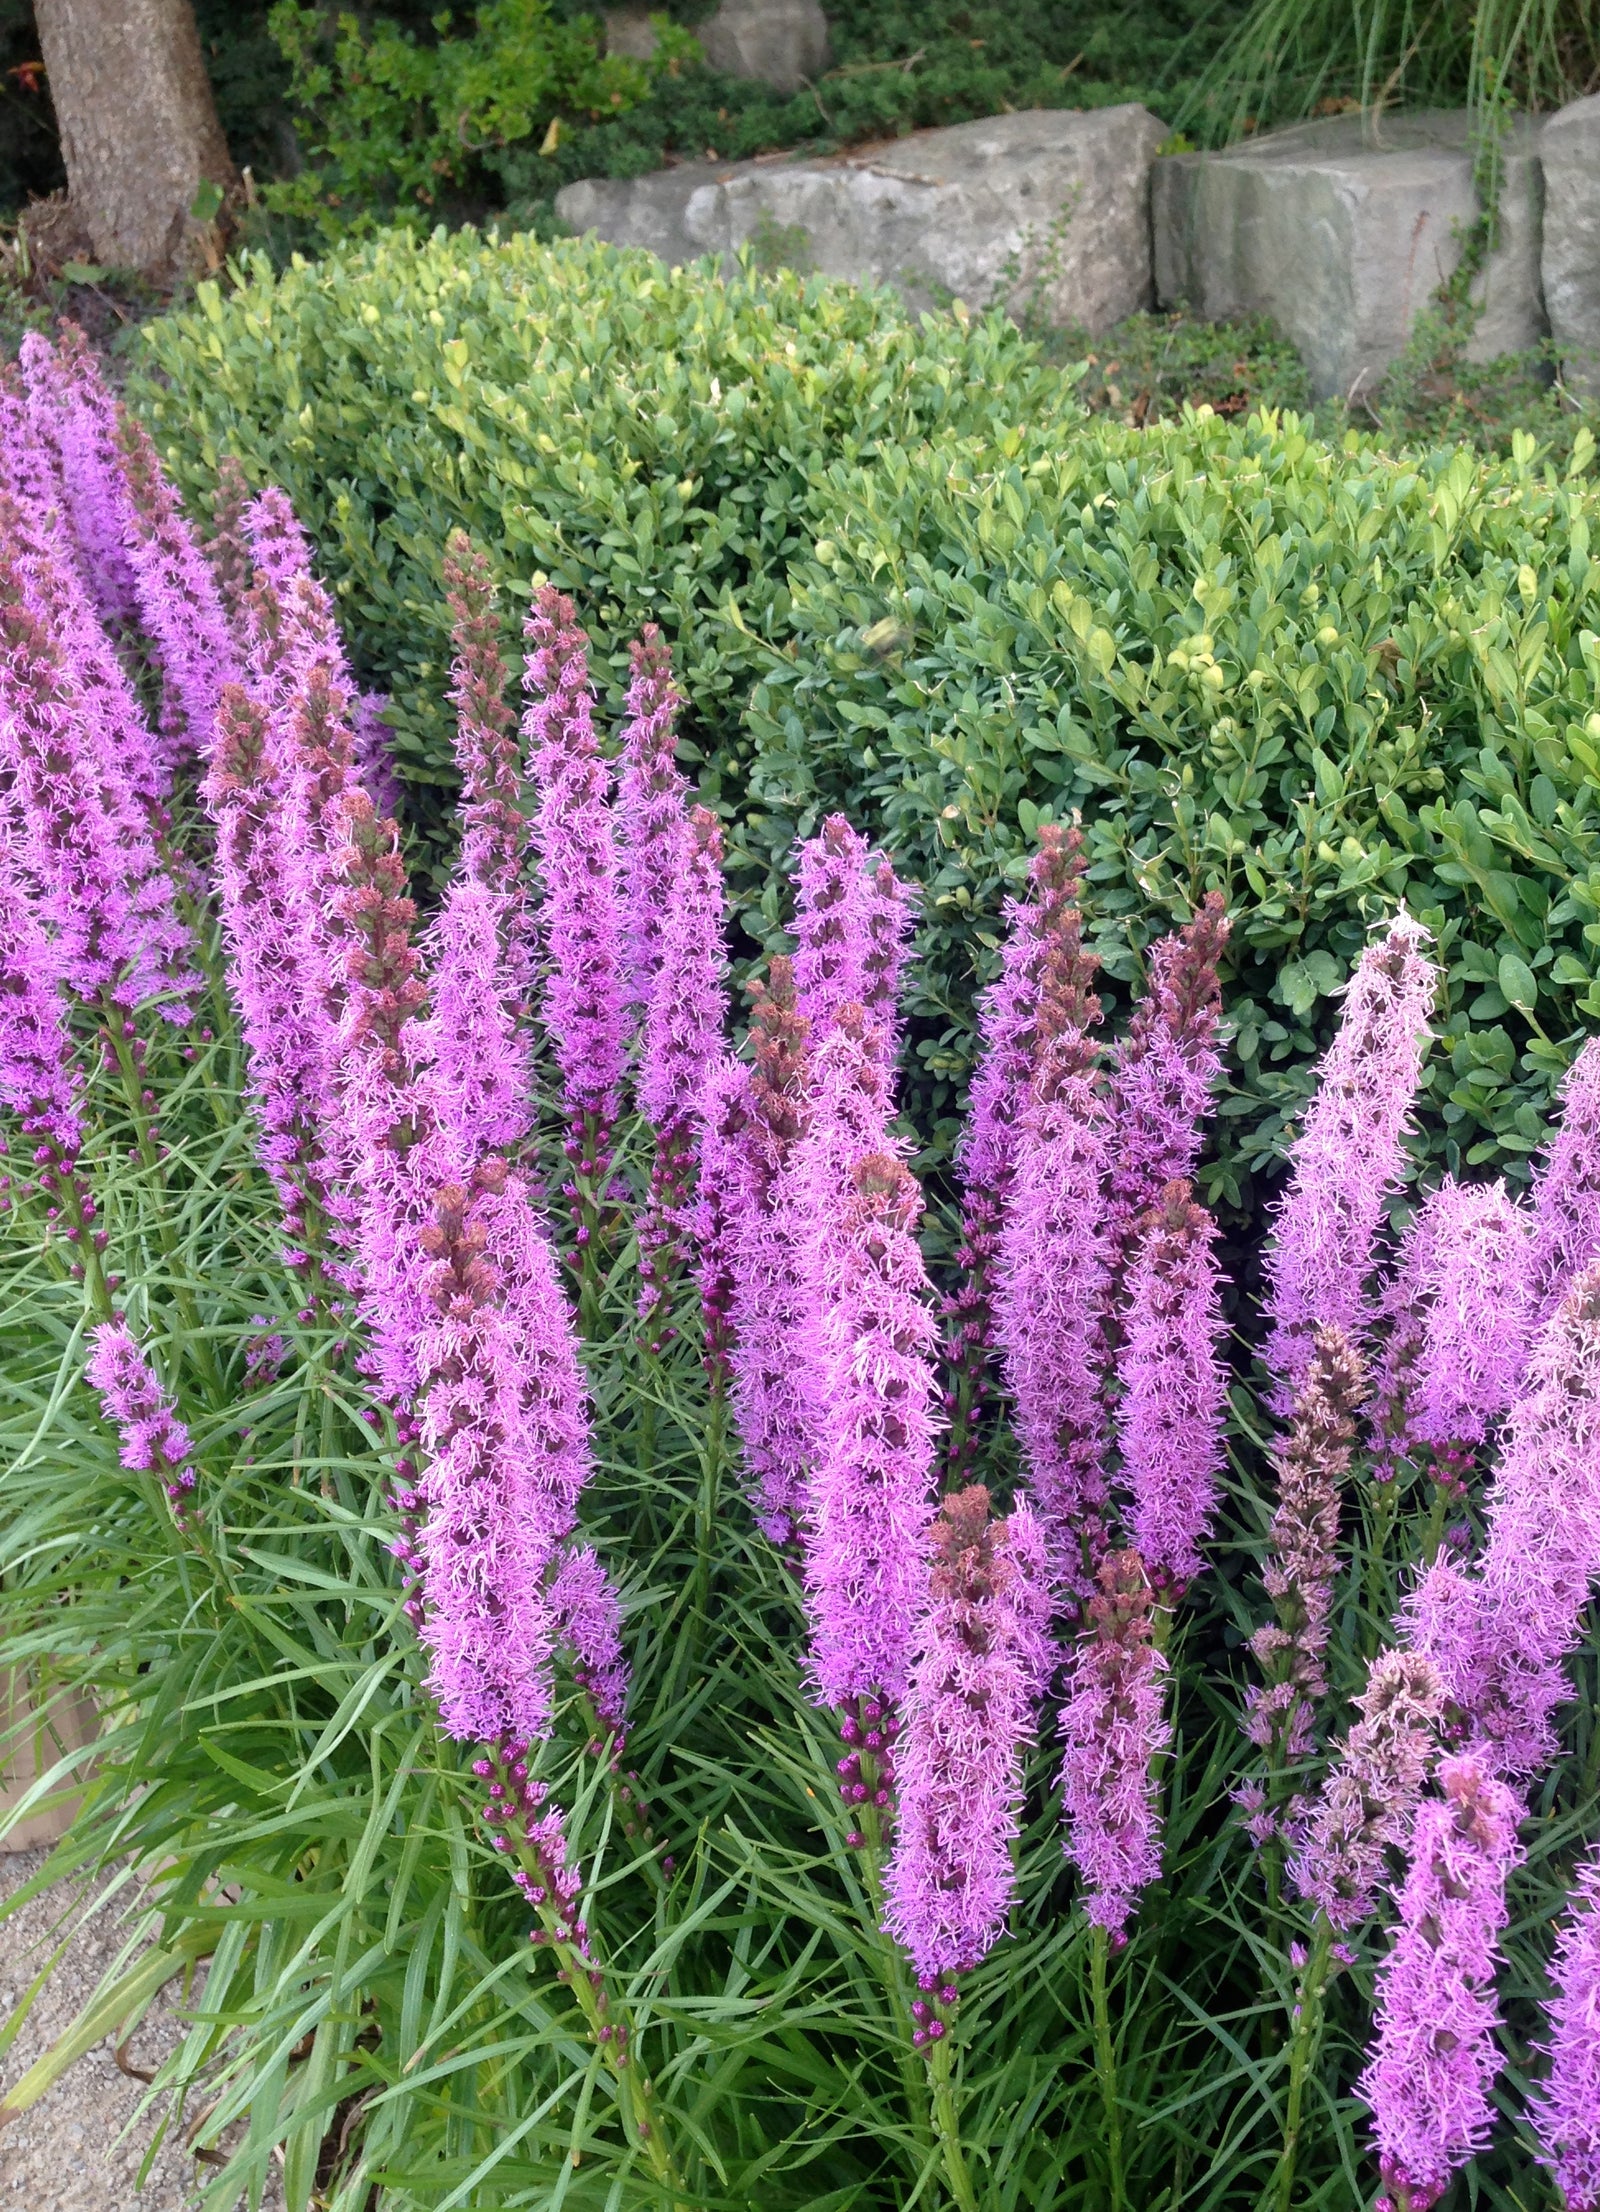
(1342, 231)
(783, 43)
(1044, 213)
(1570, 150)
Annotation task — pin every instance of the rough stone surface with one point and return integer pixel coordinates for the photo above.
(1044, 213)
(1342, 231)
(67, 2152)
(1570, 150)
(783, 43)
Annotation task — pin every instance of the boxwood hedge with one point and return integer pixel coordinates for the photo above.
(907, 576)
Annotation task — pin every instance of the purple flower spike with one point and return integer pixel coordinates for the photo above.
(75, 414)
(1370, 1798)
(981, 1654)
(1114, 1728)
(870, 1495)
(1348, 1158)
(373, 753)
(652, 807)
(1566, 2107)
(1434, 2056)
(180, 607)
(154, 1440)
(1566, 1192)
(831, 924)
(589, 1622)
(40, 1081)
(890, 910)
(479, 1060)
(494, 830)
(728, 1198)
(1054, 1282)
(1165, 1071)
(1174, 1388)
(584, 999)
(1499, 1636)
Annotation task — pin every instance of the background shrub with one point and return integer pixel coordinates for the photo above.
(905, 575)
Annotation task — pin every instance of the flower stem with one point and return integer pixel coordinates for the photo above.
(1307, 2036)
(947, 2120)
(1105, 2064)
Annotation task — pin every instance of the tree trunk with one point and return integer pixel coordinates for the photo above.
(139, 129)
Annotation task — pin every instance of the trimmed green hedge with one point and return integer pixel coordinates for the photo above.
(646, 439)
(905, 575)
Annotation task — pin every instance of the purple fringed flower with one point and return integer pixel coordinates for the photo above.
(40, 1081)
(286, 1023)
(728, 1197)
(1566, 1191)
(179, 606)
(589, 1620)
(870, 1496)
(1348, 1157)
(765, 1310)
(584, 1000)
(1174, 1388)
(830, 924)
(1114, 1728)
(75, 415)
(479, 1060)
(1054, 1280)
(1371, 1795)
(652, 806)
(1461, 1319)
(1164, 1072)
(682, 1044)
(227, 548)
(1312, 1462)
(1434, 2056)
(1499, 1636)
(981, 1654)
(154, 1440)
(494, 830)
(890, 908)
(1565, 2108)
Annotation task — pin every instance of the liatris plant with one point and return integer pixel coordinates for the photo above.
(652, 807)
(455, 1552)
(1566, 1198)
(1566, 2108)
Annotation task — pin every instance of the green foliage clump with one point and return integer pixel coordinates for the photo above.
(647, 440)
(394, 120)
(1323, 680)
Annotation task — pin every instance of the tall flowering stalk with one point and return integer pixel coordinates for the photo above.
(494, 829)
(1461, 1316)
(1499, 1636)
(1114, 1727)
(1312, 1463)
(1054, 1280)
(1348, 1158)
(75, 414)
(652, 807)
(1434, 2056)
(227, 548)
(682, 1044)
(1566, 1191)
(890, 909)
(41, 1082)
(179, 605)
(372, 751)
(1174, 1388)
(585, 1009)
(478, 1055)
(1164, 1072)
(1565, 2108)
(728, 1198)
(831, 923)
(869, 1497)
(1044, 934)
(154, 1440)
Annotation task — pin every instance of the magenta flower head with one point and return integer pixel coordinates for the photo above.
(1054, 1284)
(652, 807)
(1348, 1158)
(979, 1658)
(479, 1059)
(1174, 1388)
(74, 414)
(154, 1440)
(585, 994)
(1565, 2109)
(1165, 1070)
(890, 910)
(1433, 2056)
(1371, 1794)
(1499, 1637)
(1461, 1318)
(830, 923)
(494, 830)
(589, 1622)
(1566, 1191)
(728, 1184)
(40, 1080)
(870, 1493)
(1114, 1728)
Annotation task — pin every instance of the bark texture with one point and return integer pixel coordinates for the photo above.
(139, 129)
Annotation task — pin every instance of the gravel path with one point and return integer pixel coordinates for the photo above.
(64, 2154)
